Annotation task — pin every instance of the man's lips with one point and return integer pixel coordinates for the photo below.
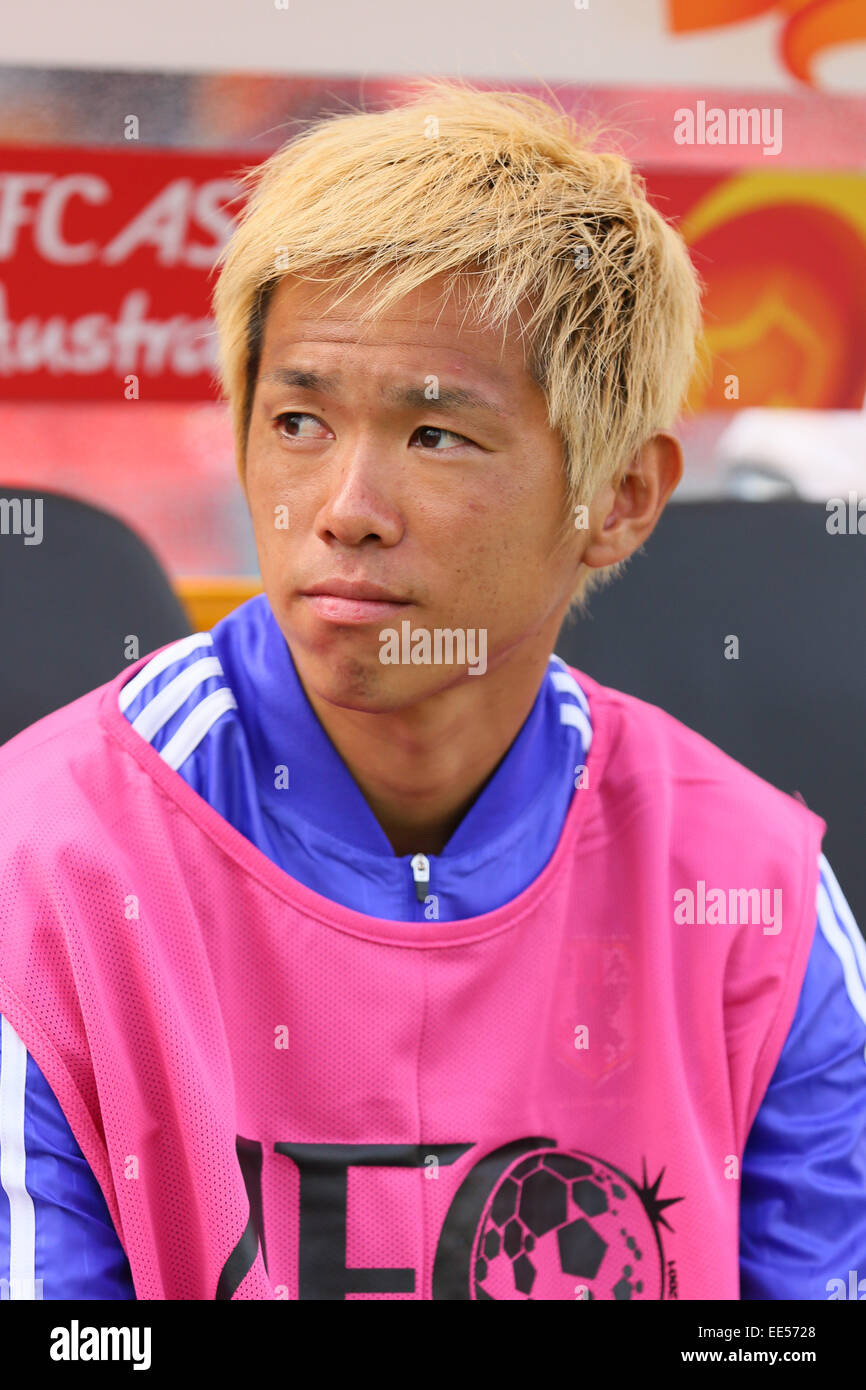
(340, 601)
(355, 588)
(352, 610)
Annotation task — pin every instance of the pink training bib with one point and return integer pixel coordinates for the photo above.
(284, 1098)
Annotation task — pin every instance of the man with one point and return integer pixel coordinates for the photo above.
(346, 951)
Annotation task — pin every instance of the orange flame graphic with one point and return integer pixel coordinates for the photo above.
(811, 26)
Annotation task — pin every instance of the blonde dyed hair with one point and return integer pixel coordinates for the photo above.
(503, 194)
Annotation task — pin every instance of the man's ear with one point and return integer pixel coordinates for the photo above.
(623, 515)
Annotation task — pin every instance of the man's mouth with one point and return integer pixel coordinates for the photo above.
(336, 609)
(353, 601)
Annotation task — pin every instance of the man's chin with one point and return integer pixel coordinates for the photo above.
(358, 680)
(362, 684)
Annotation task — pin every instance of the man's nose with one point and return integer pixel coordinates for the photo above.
(361, 491)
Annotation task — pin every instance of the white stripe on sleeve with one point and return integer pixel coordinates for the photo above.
(197, 723)
(13, 1165)
(169, 700)
(837, 938)
(161, 662)
(844, 915)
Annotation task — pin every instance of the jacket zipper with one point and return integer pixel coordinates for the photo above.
(421, 875)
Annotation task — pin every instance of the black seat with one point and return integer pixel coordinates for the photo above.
(70, 603)
(792, 706)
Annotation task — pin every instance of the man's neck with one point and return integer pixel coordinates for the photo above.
(420, 769)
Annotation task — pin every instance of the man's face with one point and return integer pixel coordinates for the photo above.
(357, 472)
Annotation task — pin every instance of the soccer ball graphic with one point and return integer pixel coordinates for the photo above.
(565, 1225)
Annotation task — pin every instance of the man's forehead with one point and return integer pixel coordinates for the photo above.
(301, 314)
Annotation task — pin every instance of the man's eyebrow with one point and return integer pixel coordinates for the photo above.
(305, 381)
(448, 397)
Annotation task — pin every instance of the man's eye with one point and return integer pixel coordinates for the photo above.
(434, 429)
(292, 415)
(292, 430)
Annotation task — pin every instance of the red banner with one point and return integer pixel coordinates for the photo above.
(105, 261)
